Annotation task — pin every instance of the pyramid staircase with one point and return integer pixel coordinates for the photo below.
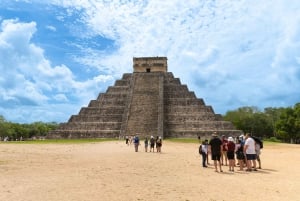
(149, 101)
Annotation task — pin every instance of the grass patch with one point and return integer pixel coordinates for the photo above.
(61, 141)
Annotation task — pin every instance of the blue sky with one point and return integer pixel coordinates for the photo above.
(57, 55)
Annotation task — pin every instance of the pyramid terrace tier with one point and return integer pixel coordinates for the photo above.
(102, 111)
(88, 133)
(96, 118)
(184, 101)
(192, 109)
(188, 117)
(203, 133)
(203, 125)
(108, 102)
(77, 126)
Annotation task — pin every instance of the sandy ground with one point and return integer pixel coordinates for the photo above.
(113, 171)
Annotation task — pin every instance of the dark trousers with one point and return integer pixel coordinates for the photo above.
(204, 155)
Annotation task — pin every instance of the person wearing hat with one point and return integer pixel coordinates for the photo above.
(230, 153)
(152, 143)
(159, 144)
(215, 145)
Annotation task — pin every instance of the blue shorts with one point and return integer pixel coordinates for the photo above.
(216, 157)
(251, 156)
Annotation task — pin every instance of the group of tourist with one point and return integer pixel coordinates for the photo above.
(153, 142)
(226, 151)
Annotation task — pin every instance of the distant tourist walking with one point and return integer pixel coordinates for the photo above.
(152, 143)
(216, 146)
(146, 144)
(136, 142)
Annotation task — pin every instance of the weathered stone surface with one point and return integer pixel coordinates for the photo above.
(149, 101)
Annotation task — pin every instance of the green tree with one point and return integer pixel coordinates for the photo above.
(288, 125)
(250, 120)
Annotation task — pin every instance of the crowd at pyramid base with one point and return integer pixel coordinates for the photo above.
(148, 102)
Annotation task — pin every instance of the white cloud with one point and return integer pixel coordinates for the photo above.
(231, 53)
(28, 79)
(61, 97)
(51, 28)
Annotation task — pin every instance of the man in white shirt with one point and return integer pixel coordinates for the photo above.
(249, 150)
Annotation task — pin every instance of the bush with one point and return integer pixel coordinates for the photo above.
(273, 139)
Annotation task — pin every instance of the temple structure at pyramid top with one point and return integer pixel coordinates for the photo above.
(149, 101)
(150, 64)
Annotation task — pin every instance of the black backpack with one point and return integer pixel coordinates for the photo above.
(200, 149)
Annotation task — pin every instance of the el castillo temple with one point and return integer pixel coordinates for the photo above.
(149, 101)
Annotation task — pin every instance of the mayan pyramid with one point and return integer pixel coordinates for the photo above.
(149, 101)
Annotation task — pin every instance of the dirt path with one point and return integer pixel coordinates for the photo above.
(111, 171)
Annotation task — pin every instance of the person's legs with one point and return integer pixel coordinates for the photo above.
(225, 157)
(259, 162)
(218, 157)
(222, 157)
(135, 147)
(215, 163)
(220, 166)
(214, 159)
(241, 162)
(254, 161)
(232, 163)
(207, 159)
(248, 162)
(203, 159)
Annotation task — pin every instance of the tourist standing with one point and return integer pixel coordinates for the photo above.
(136, 142)
(224, 150)
(152, 143)
(249, 150)
(230, 153)
(257, 151)
(208, 151)
(216, 146)
(203, 152)
(239, 150)
(146, 144)
(156, 140)
(127, 140)
(159, 144)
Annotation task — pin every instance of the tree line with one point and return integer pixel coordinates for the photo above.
(275, 123)
(17, 131)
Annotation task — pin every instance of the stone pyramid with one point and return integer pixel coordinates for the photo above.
(149, 101)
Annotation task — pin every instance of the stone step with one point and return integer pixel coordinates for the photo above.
(200, 116)
(199, 125)
(184, 101)
(117, 89)
(96, 118)
(101, 111)
(91, 126)
(84, 134)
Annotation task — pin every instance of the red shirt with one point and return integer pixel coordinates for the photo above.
(230, 146)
